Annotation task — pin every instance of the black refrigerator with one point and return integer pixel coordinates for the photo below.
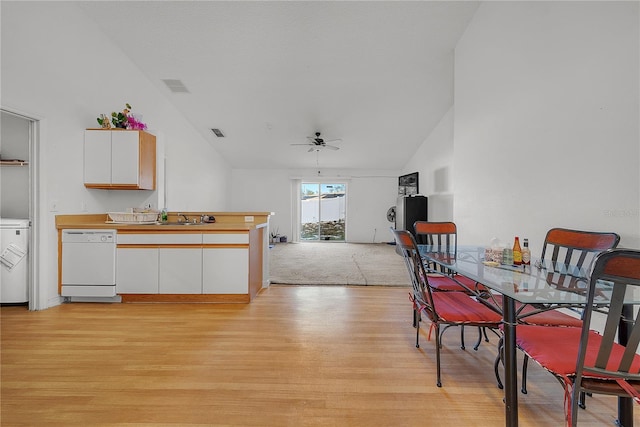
(410, 209)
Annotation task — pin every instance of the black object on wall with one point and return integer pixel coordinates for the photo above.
(410, 209)
(408, 184)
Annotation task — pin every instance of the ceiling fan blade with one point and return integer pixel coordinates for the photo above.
(306, 144)
(331, 147)
(333, 140)
(312, 149)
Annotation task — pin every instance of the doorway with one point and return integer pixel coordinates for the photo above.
(19, 144)
(323, 211)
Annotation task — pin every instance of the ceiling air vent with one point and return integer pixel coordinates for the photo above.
(176, 86)
(218, 133)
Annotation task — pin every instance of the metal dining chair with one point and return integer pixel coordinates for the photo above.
(442, 308)
(562, 247)
(584, 360)
(567, 247)
(442, 237)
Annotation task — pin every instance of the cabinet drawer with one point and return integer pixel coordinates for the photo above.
(159, 239)
(225, 238)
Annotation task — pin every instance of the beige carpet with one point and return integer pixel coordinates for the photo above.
(329, 263)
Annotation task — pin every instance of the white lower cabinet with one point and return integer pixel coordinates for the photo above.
(137, 271)
(225, 270)
(180, 271)
(183, 265)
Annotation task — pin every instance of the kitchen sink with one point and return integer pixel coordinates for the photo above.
(180, 223)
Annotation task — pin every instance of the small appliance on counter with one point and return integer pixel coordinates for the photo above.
(209, 219)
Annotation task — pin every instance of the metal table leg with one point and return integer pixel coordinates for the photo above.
(510, 362)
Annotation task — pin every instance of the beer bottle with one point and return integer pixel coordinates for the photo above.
(517, 252)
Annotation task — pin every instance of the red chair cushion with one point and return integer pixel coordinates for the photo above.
(550, 318)
(460, 308)
(556, 349)
(544, 318)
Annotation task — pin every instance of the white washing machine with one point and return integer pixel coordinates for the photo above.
(14, 260)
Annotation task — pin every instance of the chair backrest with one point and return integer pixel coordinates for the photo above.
(576, 247)
(443, 236)
(407, 247)
(621, 269)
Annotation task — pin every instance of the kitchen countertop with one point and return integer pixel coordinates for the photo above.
(225, 221)
(218, 240)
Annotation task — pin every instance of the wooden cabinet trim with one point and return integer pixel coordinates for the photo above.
(182, 298)
(225, 245)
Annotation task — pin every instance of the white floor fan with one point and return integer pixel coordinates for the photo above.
(391, 217)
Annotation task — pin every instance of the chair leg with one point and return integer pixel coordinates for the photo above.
(475, 347)
(496, 363)
(417, 322)
(572, 420)
(438, 381)
(462, 337)
(484, 331)
(525, 364)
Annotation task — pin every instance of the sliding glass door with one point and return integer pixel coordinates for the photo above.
(322, 211)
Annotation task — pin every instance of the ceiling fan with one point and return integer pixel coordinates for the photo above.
(316, 143)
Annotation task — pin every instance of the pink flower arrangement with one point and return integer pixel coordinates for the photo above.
(134, 123)
(123, 120)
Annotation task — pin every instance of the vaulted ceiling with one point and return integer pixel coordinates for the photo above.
(376, 74)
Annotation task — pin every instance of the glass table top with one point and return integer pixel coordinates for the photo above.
(541, 282)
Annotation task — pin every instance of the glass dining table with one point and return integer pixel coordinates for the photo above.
(542, 284)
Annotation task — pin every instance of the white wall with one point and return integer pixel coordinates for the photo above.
(434, 163)
(546, 127)
(369, 195)
(58, 67)
(540, 89)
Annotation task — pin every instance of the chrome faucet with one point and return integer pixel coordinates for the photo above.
(186, 218)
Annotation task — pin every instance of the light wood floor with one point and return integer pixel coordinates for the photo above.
(296, 356)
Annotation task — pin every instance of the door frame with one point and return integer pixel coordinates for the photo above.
(298, 206)
(36, 300)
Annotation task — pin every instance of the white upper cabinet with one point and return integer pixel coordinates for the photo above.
(119, 159)
(97, 157)
(125, 159)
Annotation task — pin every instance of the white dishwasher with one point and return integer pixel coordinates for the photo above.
(88, 263)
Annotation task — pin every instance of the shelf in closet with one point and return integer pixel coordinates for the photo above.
(13, 163)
